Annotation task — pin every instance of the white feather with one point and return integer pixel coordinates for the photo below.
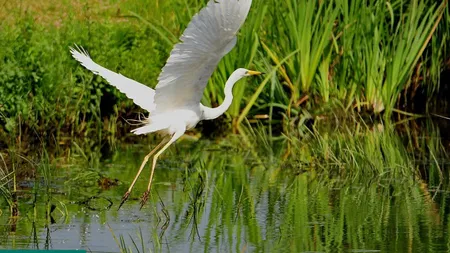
(141, 95)
(175, 104)
(209, 36)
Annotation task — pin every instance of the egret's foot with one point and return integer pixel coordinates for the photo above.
(124, 198)
(144, 198)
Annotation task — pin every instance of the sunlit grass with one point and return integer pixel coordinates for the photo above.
(335, 54)
(313, 168)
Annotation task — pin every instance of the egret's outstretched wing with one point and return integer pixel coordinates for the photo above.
(140, 94)
(209, 36)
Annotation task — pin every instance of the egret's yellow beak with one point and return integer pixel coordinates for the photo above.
(254, 73)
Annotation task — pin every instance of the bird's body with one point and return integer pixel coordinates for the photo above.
(168, 123)
(174, 105)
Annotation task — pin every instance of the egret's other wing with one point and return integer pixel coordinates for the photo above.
(140, 94)
(209, 36)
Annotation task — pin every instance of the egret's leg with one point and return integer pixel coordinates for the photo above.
(175, 136)
(127, 194)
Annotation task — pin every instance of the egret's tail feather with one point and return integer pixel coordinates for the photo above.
(150, 128)
(142, 130)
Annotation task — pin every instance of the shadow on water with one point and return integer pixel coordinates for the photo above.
(373, 189)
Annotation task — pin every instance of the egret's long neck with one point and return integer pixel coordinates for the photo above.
(212, 113)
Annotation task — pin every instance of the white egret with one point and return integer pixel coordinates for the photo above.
(174, 105)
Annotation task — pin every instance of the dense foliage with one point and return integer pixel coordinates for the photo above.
(318, 55)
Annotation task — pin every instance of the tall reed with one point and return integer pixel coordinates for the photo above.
(317, 54)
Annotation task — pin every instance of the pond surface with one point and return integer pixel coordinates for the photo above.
(209, 197)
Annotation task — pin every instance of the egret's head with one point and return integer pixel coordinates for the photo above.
(252, 73)
(238, 74)
(246, 72)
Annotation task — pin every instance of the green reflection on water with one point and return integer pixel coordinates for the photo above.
(343, 193)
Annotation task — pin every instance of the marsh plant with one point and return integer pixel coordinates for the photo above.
(354, 56)
(340, 192)
(320, 153)
(6, 177)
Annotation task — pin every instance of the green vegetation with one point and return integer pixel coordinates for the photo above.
(319, 56)
(326, 156)
(5, 177)
(339, 194)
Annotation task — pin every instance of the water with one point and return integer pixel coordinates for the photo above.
(208, 197)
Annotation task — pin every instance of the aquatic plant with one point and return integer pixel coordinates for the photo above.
(5, 181)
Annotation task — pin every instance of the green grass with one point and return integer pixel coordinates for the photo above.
(336, 55)
(331, 165)
(343, 187)
(338, 193)
(324, 62)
